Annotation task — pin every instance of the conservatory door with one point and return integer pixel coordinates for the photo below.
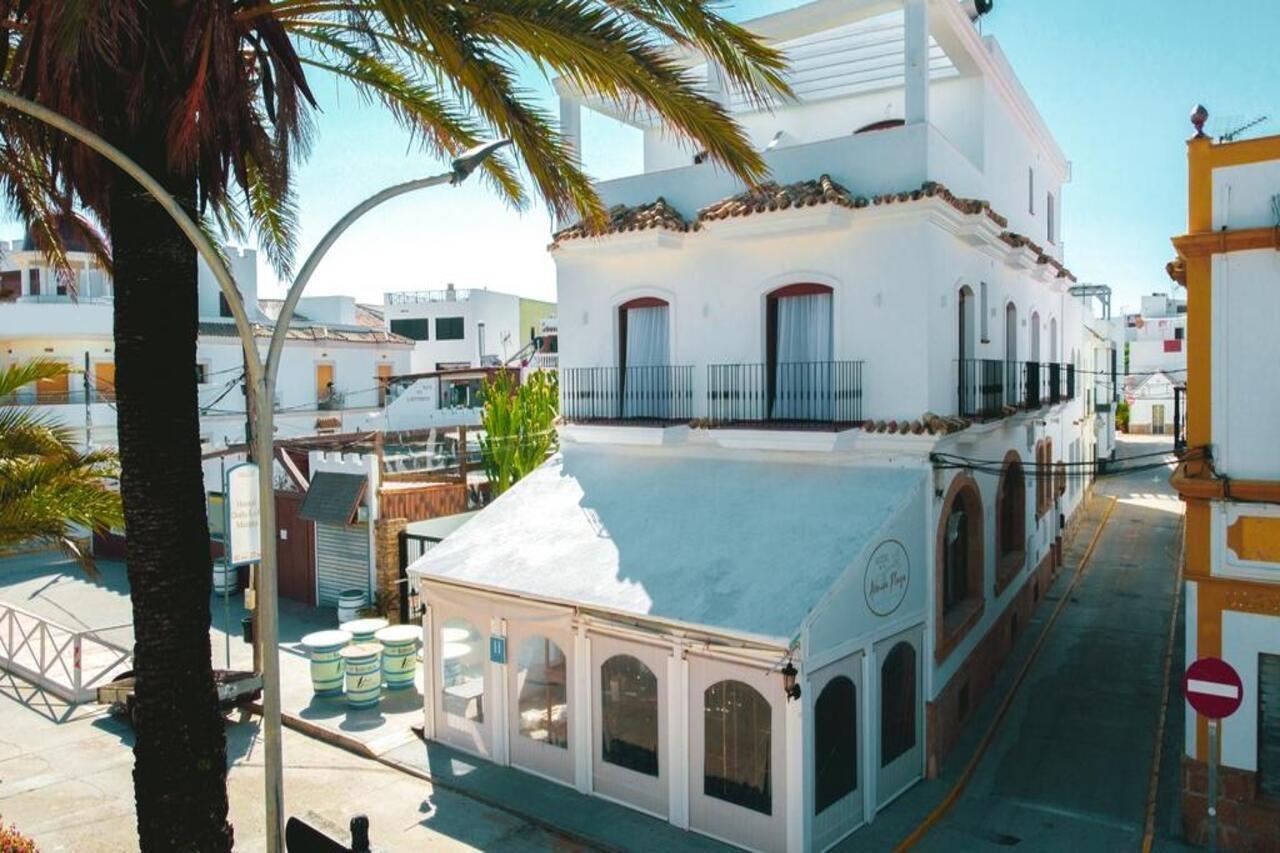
(900, 729)
(837, 750)
(460, 656)
(629, 744)
(540, 661)
(737, 754)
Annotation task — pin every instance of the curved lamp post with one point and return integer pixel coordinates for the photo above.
(261, 376)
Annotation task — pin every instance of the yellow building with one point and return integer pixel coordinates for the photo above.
(1229, 261)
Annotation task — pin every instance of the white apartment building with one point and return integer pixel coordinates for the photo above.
(336, 360)
(823, 439)
(1157, 336)
(460, 328)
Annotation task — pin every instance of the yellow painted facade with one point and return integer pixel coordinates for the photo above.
(1251, 538)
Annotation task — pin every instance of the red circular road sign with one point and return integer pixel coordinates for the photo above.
(1213, 688)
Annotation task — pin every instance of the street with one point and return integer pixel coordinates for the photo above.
(1070, 765)
(66, 780)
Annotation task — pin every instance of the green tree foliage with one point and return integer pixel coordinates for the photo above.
(519, 424)
(49, 490)
(1122, 416)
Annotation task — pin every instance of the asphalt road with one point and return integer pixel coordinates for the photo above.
(1070, 767)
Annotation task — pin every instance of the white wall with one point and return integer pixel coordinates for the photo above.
(1246, 350)
(895, 276)
(499, 312)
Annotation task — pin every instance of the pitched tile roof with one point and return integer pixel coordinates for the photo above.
(622, 218)
(772, 196)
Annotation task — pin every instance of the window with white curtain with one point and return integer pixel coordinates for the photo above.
(646, 352)
(802, 357)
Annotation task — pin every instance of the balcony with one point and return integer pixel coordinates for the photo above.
(632, 394)
(993, 388)
(333, 401)
(824, 394)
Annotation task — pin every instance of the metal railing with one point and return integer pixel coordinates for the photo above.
(628, 394)
(991, 388)
(545, 361)
(819, 392)
(983, 389)
(332, 402)
(67, 662)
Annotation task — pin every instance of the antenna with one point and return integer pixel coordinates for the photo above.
(1230, 135)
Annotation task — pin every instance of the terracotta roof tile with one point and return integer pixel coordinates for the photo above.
(1019, 241)
(308, 333)
(622, 218)
(772, 196)
(926, 423)
(933, 189)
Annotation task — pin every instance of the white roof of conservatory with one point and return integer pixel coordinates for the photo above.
(748, 547)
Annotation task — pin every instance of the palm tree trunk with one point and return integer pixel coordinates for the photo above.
(180, 751)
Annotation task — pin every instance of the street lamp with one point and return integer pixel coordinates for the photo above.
(264, 452)
(260, 377)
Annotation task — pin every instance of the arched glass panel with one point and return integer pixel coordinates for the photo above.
(835, 751)
(542, 677)
(736, 760)
(462, 656)
(629, 714)
(897, 703)
(955, 576)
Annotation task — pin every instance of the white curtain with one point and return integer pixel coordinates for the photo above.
(803, 378)
(645, 391)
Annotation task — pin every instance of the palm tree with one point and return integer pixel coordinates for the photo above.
(213, 98)
(50, 491)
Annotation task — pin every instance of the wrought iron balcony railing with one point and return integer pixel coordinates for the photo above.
(992, 388)
(663, 393)
(817, 392)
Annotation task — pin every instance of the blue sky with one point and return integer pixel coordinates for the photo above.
(1114, 80)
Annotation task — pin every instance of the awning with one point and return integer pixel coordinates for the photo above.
(744, 546)
(333, 497)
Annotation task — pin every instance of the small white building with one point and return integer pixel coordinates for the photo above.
(1152, 403)
(460, 328)
(1157, 337)
(825, 434)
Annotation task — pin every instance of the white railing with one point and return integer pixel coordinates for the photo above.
(69, 663)
(546, 361)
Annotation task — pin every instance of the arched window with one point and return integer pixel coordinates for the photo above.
(1011, 519)
(629, 714)
(462, 656)
(835, 753)
(958, 589)
(1034, 351)
(967, 324)
(883, 124)
(737, 724)
(1011, 354)
(541, 676)
(798, 352)
(897, 702)
(644, 352)
(1053, 340)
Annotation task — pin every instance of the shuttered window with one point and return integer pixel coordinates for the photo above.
(342, 560)
(1269, 725)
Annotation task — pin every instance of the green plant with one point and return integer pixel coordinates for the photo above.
(1122, 416)
(519, 424)
(49, 490)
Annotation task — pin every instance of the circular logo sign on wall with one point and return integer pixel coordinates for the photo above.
(888, 576)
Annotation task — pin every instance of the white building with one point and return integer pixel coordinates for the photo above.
(464, 328)
(1157, 337)
(337, 356)
(1151, 400)
(829, 430)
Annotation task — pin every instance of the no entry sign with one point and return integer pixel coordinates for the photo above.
(1213, 688)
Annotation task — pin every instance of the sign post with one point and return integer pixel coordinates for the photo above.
(1214, 689)
(243, 537)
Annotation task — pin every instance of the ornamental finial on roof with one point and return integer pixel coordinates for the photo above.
(1198, 117)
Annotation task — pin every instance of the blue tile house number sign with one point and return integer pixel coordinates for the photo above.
(498, 649)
